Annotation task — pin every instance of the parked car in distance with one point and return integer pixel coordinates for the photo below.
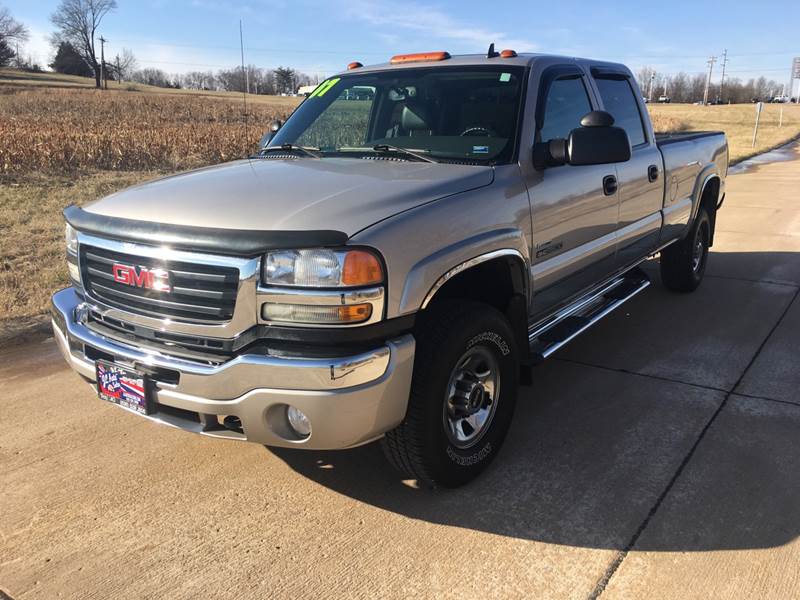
(390, 266)
(664, 100)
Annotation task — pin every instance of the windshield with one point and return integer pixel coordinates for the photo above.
(445, 113)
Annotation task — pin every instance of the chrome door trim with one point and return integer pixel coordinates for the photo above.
(549, 266)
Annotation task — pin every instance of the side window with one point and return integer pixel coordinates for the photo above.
(619, 100)
(566, 104)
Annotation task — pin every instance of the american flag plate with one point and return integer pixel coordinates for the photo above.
(122, 386)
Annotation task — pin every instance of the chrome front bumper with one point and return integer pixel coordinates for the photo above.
(348, 400)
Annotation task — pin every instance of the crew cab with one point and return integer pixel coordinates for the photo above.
(392, 260)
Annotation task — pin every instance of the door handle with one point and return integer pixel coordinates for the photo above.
(609, 185)
(652, 173)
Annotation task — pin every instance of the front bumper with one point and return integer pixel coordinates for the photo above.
(349, 400)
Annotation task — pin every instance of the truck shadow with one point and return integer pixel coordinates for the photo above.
(593, 448)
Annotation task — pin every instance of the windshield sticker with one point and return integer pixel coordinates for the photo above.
(324, 87)
(505, 77)
(480, 149)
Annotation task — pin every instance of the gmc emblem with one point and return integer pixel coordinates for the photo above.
(151, 279)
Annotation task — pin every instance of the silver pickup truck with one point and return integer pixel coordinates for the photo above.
(393, 259)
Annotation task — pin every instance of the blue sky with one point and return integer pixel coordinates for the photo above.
(320, 37)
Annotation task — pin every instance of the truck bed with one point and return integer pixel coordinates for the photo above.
(662, 139)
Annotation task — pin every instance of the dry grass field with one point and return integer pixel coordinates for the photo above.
(736, 120)
(74, 130)
(64, 143)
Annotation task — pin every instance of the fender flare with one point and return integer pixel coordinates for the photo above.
(430, 274)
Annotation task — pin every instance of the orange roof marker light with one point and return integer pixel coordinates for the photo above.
(508, 54)
(354, 65)
(419, 57)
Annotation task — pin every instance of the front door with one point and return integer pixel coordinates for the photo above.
(574, 215)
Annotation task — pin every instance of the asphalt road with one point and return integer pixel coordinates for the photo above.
(656, 456)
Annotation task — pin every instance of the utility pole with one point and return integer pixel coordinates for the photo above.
(650, 87)
(722, 83)
(119, 72)
(711, 62)
(103, 81)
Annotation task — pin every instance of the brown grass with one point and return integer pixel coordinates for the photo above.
(32, 263)
(70, 130)
(736, 120)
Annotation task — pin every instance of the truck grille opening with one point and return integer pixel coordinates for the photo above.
(197, 292)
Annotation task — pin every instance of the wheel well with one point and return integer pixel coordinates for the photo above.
(709, 201)
(501, 283)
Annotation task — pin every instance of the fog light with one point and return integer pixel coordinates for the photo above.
(298, 421)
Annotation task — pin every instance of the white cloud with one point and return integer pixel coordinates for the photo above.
(392, 16)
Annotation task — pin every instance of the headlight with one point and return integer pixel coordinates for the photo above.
(72, 239)
(72, 255)
(322, 268)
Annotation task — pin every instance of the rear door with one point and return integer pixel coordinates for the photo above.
(641, 179)
(574, 216)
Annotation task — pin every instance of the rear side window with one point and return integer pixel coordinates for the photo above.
(566, 104)
(619, 100)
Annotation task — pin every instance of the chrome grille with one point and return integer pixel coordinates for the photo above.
(198, 292)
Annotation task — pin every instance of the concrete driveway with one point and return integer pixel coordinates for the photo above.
(656, 456)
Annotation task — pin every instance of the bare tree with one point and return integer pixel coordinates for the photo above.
(77, 22)
(124, 65)
(11, 30)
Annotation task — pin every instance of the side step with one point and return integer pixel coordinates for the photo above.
(576, 318)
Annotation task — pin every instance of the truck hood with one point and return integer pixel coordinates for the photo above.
(343, 194)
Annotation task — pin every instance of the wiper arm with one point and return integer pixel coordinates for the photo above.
(307, 150)
(406, 151)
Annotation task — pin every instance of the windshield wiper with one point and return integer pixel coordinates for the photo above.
(406, 151)
(307, 150)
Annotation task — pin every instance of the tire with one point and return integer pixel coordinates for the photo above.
(457, 416)
(683, 264)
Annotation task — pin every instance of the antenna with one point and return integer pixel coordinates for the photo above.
(244, 89)
(491, 53)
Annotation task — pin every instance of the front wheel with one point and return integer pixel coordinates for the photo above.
(683, 264)
(462, 395)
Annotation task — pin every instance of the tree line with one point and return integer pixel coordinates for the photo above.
(76, 42)
(283, 80)
(682, 87)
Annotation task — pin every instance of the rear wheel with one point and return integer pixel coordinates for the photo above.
(683, 264)
(462, 395)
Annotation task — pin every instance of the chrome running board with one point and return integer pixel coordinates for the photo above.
(579, 316)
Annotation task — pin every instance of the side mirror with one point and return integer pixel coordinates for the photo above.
(596, 142)
(267, 137)
(598, 146)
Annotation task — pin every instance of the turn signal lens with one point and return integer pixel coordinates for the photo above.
(361, 268)
(316, 314)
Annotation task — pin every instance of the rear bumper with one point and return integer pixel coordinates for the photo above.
(349, 400)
